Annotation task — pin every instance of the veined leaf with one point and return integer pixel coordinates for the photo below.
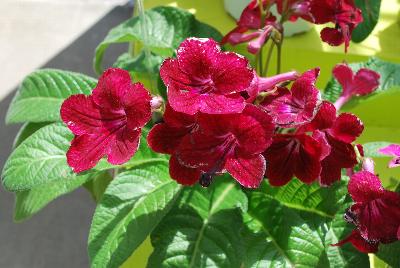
(41, 94)
(26, 130)
(370, 11)
(203, 230)
(132, 205)
(389, 253)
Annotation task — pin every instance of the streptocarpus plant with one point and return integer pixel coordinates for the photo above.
(220, 165)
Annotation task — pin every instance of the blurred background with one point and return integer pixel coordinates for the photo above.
(64, 34)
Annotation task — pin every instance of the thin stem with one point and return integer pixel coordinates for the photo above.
(268, 60)
(279, 47)
(131, 48)
(260, 59)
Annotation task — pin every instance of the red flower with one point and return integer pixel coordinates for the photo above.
(204, 79)
(293, 9)
(231, 142)
(364, 82)
(338, 132)
(295, 107)
(376, 213)
(343, 13)
(108, 122)
(294, 155)
(392, 150)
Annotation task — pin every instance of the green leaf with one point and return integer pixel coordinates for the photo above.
(167, 27)
(370, 11)
(133, 204)
(389, 253)
(41, 94)
(371, 148)
(98, 185)
(389, 81)
(26, 130)
(139, 64)
(203, 229)
(346, 255)
(29, 202)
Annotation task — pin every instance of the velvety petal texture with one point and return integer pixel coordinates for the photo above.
(375, 214)
(204, 79)
(295, 107)
(108, 122)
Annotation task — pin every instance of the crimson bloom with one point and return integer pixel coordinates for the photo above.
(364, 82)
(295, 107)
(232, 143)
(204, 79)
(293, 9)
(108, 122)
(294, 155)
(376, 213)
(392, 150)
(343, 13)
(338, 132)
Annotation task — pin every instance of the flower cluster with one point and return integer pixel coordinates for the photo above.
(257, 24)
(376, 213)
(222, 117)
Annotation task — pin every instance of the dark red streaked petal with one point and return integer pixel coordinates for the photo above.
(184, 101)
(177, 119)
(81, 115)
(323, 11)
(332, 36)
(113, 84)
(165, 139)
(365, 82)
(325, 147)
(232, 73)
(365, 186)
(196, 56)
(220, 104)
(137, 106)
(86, 151)
(183, 174)
(308, 163)
(249, 172)
(359, 243)
(344, 75)
(347, 128)
(123, 146)
(324, 118)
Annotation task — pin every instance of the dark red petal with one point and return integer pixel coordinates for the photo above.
(249, 172)
(220, 104)
(365, 82)
(123, 146)
(323, 11)
(86, 151)
(231, 37)
(332, 36)
(184, 101)
(165, 139)
(197, 55)
(113, 84)
(251, 16)
(347, 128)
(359, 243)
(81, 115)
(344, 74)
(324, 118)
(137, 106)
(177, 119)
(365, 186)
(308, 164)
(231, 73)
(183, 174)
(325, 147)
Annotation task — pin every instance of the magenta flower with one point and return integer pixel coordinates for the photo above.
(376, 213)
(108, 122)
(232, 143)
(296, 155)
(339, 132)
(343, 13)
(295, 107)
(294, 9)
(392, 150)
(364, 82)
(204, 79)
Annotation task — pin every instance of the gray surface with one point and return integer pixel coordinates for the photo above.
(56, 236)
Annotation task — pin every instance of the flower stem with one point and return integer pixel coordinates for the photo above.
(131, 48)
(268, 60)
(260, 61)
(279, 58)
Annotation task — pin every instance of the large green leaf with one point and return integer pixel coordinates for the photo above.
(166, 26)
(29, 202)
(389, 81)
(41, 159)
(41, 94)
(203, 230)
(132, 205)
(27, 130)
(390, 253)
(293, 226)
(370, 11)
(139, 64)
(98, 185)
